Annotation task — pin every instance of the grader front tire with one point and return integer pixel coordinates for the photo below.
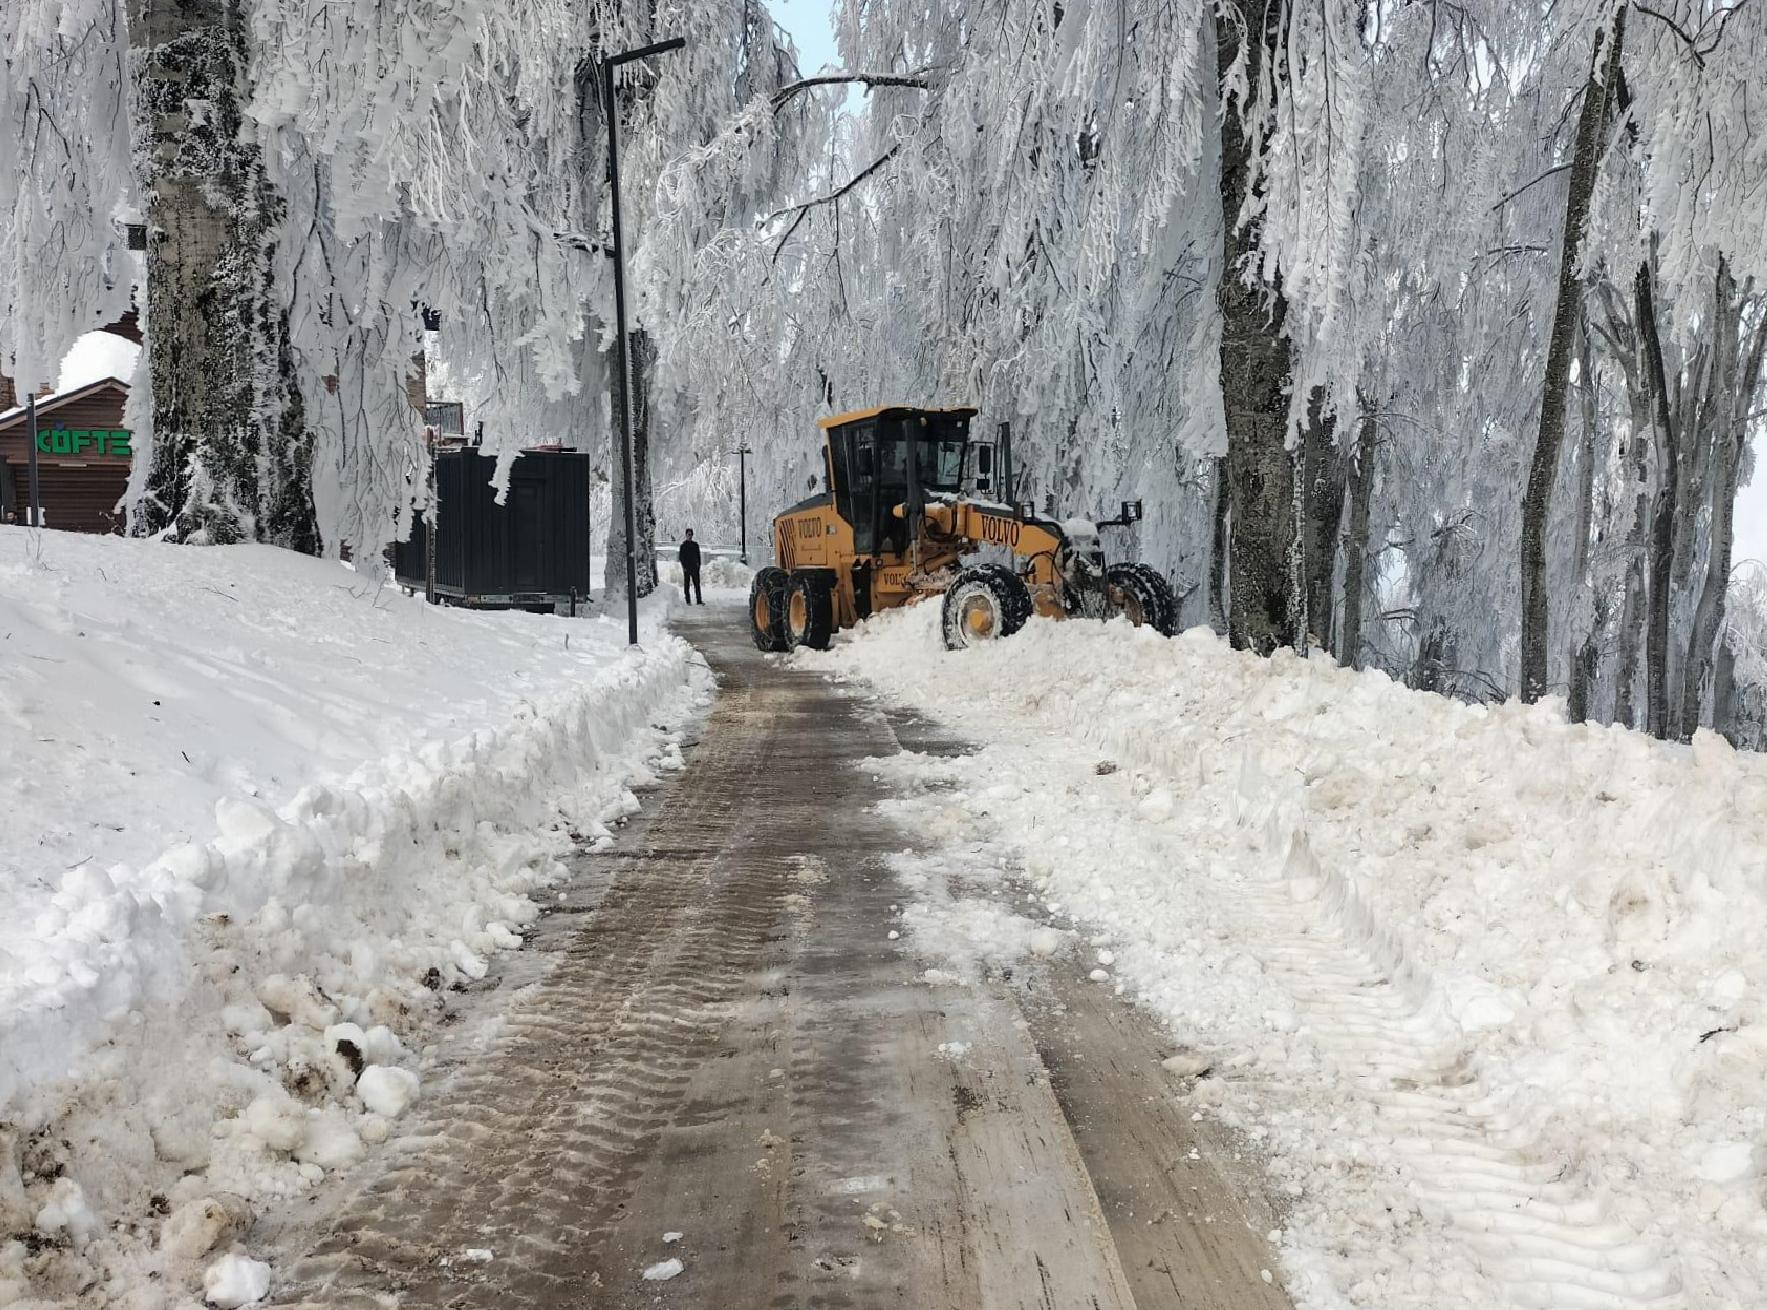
(984, 604)
(1143, 596)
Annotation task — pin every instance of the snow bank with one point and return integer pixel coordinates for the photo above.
(717, 573)
(261, 814)
(1485, 986)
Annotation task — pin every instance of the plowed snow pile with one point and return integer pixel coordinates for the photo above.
(1485, 988)
(260, 814)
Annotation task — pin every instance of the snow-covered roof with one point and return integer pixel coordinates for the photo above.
(46, 404)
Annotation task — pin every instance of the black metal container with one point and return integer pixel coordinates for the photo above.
(531, 552)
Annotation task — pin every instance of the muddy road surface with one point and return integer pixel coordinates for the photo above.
(731, 1066)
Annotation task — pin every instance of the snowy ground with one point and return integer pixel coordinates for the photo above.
(1485, 987)
(261, 813)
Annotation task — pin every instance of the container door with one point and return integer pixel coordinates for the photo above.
(527, 546)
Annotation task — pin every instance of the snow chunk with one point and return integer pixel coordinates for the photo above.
(197, 1227)
(663, 1271)
(297, 1001)
(330, 1141)
(1727, 1163)
(234, 1280)
(276, 1121)
(68, 1213)
(1157, 806)
(387, 1091)
(1187, 1065)
(467, 962)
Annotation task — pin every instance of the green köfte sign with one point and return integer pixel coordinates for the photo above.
(78, 441)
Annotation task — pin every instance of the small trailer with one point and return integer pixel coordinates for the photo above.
(531, 552)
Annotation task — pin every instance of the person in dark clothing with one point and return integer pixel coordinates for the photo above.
(690, 588)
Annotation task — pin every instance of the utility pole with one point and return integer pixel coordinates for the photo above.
(36, 492)
(742, 454)
(608, 66)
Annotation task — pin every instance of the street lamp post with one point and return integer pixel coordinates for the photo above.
(608, 66)
(742, 454)
(36, 491)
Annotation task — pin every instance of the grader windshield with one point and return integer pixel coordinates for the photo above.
(939, 454)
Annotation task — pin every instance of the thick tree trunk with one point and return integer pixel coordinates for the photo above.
(1256, 358)
(1732, 442)
(1662, 520)
(1361, 492)
(1543, 469)
(642, 352)
(229, 458)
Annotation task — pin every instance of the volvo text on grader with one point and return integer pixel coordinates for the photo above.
(906, 513)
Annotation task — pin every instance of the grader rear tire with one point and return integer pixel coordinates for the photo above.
(767, 597)
(1140, 594)
(986, 602)
(809, 611)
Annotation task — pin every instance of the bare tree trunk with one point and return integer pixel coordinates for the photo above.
(1708, 617)
(1726, 710)
(229, 458)
(1349, 650)
(1256, 356)
(1662, 528)
(1543, 470)
(644, 356)
(1218, 552)
(1322, 514)
(1631, 625)
(1585, 664)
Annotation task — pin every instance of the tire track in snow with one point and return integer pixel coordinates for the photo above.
(531, 1155)
(1384, 1028)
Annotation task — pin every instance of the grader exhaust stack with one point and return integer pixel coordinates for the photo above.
(906, 514)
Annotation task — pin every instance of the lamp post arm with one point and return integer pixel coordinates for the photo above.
(646, 51)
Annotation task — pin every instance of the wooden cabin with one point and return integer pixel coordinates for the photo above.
(84, 451)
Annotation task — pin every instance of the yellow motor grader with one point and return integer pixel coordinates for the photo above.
(906, 511)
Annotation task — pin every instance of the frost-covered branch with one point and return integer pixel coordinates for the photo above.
(846, 187)
(785, 94)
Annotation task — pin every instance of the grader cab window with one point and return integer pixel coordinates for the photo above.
(941, 465)
(939, 444)
(869, 465)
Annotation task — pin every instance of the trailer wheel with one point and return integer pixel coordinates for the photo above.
(767, 595)
(1140, 594)
(986, 602)
(809, 610)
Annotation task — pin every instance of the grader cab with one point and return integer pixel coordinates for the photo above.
(909, 507)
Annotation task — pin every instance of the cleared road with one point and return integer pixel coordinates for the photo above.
(730, 1049)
